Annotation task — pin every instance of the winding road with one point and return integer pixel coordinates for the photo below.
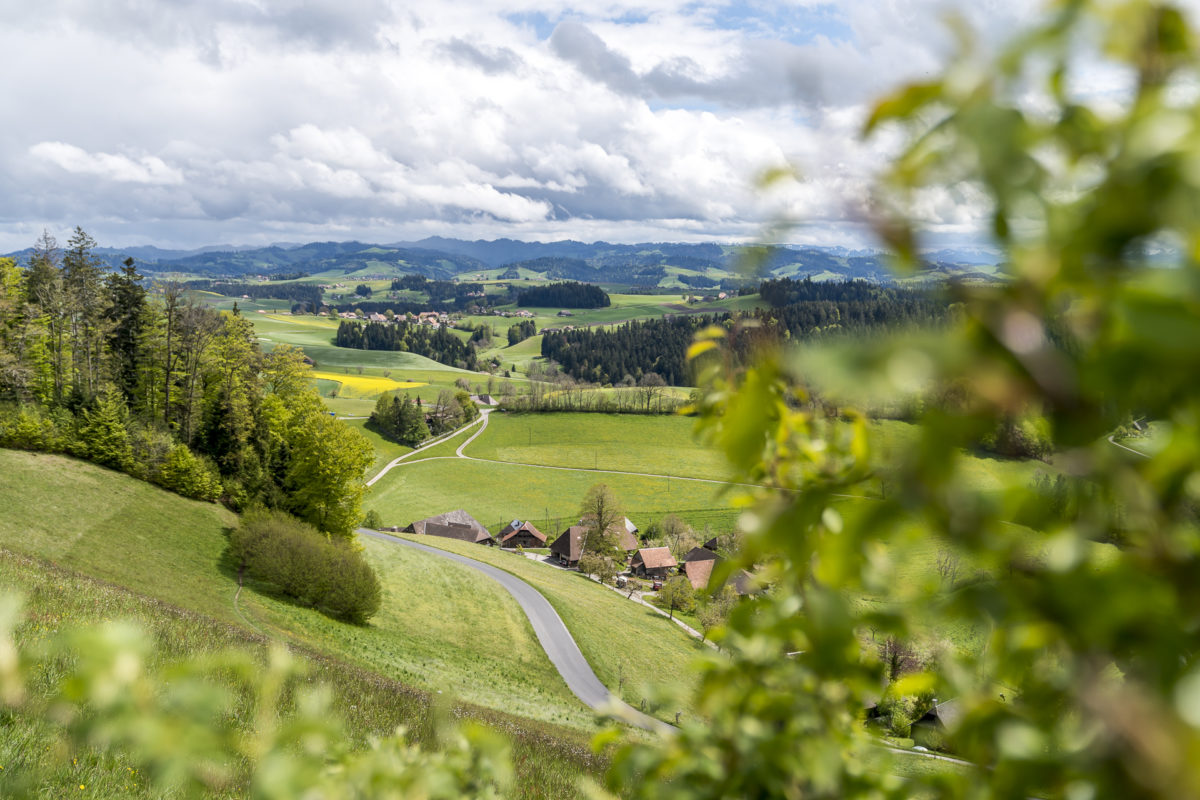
(555, 639)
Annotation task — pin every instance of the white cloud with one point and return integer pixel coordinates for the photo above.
(196, 122)
(119, 168)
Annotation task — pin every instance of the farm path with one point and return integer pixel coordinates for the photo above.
(483, 416)
(555, 639)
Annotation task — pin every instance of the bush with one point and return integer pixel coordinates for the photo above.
(190, 475)
(372, 520)
(303, 563)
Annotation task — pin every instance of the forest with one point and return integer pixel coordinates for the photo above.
(568, 294)
(96, 365)
(435, 343)
(305, 293)
(806, 309)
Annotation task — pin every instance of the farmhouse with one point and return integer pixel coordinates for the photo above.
(522, 534)
(652, 562)
(453, 525)
(932, 729)
(568, 547)
(698, 566)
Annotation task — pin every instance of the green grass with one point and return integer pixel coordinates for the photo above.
(385, 449)
(634, 651)
(371, 705)
(492, 492)
(658, 444)
(443, 627)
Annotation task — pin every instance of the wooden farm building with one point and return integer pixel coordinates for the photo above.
(698, 566)
(522, 534)
(568, 547)
(652, 562)
(626, 540)
(453, 525)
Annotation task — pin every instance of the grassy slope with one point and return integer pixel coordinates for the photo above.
(619, 638)
(58, 599)
(438, 630)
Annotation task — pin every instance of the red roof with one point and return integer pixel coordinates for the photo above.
(655, 557)
(699, 572)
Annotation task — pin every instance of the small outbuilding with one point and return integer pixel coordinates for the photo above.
(521, 534)
(652, 562)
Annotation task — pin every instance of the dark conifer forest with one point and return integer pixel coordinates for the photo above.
(438, 344)
(800, 310)
(564, 295)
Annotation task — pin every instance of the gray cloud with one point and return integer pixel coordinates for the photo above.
(576, 43)
(492, 60)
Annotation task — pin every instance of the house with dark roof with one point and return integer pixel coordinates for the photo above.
(568, 547)
(938, 723)
(652, 562)
(456, 524)
(521, 534)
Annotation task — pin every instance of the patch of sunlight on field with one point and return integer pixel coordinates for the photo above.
(363, 386)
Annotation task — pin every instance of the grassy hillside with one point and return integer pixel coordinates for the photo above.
(443, 627)
(58, 600)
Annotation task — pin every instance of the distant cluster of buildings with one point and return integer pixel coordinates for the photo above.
(568, 547)
(433, 319)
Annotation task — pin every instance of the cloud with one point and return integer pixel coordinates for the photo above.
(492, 61)
(147, 169)
(200, 121)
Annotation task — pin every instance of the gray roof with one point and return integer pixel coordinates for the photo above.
(456, 524)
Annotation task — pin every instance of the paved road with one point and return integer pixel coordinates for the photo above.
(552, 634)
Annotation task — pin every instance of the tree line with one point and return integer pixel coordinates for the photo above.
(568, 294)
(660, 346)
(435, 343)
(146, 381)
(410, 422)
(307, 293)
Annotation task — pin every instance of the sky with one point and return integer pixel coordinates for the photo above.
(183, 123)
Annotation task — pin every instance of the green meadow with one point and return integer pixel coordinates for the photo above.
(493, 492)
(661, 444)
(443, 628)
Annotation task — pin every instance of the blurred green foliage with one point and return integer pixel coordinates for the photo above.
(1087, 685)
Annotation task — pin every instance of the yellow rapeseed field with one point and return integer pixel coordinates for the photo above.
(363, 387)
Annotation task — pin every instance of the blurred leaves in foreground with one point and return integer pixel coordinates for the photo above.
(1086, 681)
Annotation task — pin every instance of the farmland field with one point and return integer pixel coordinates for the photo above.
(493, 492)
(662, 445)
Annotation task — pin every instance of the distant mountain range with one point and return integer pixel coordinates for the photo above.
(646, 264)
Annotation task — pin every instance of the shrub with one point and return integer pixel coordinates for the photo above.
(303, 563)
(190, 475)
(372, 520)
